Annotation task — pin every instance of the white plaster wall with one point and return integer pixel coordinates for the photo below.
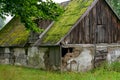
(20, 57)
(7, 50)
(84, 61)
(18, 51)
(32, 51)
(35, 57)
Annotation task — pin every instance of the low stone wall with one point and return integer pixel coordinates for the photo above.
(5, 55)
(29, 57)
(36, 57)
(80, 59)
(113, 54)
(83, 56)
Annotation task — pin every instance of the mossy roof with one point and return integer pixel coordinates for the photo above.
(74, 10)
(14, 34)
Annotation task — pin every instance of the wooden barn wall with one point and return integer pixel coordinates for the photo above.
(43, 23)
(100, 22)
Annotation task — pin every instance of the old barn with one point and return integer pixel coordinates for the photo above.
(87, 34)
(84, 36)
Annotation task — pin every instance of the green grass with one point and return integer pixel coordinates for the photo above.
(8, 72)
(74, 10)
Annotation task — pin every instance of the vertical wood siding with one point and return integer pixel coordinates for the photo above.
(54, 56)
(43, 23)
(100, 25)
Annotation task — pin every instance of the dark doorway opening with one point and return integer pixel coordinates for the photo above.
(66, 50)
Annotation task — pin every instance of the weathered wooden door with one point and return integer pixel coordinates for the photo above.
(100, 34)
(54, 58)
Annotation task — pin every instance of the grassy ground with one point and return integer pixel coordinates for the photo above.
(8, 72)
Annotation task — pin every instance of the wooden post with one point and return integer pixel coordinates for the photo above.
(60, 59)
(95, 47)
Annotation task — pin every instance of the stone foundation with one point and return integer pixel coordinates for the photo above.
(80, 59)
(83, 56)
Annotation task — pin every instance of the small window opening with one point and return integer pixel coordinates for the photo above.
(66, 50)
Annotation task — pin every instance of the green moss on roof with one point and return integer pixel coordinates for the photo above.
(74, 10)
(13, 34)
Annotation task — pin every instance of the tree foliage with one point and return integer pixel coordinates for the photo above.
(29, 10)
(115, 5)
